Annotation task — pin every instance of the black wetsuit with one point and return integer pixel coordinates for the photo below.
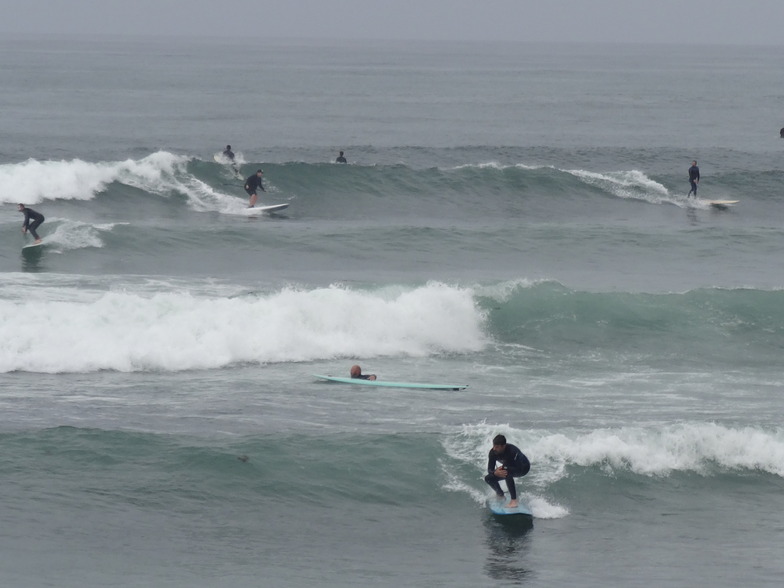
(37, 218)
(229, 154)
(252, 184)
(694, 177)
(514, 462)
(340, 159)
(361, 377)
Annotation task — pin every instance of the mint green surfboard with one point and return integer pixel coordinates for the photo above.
(384, 384)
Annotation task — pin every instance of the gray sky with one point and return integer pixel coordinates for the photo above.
(617, 21)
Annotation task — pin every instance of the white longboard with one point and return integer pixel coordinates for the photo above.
(721, 204)
(33, 246)
(270, 208)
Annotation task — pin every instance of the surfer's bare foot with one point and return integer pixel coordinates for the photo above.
(513, 504)
(37, 241)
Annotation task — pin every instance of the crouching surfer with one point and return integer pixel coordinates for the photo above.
(514, 464)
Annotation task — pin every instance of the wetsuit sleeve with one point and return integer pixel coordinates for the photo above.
(490, 462)
(27, 218)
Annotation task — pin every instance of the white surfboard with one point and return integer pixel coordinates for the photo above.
(721, 204)
(499, 507)
(33, 245)
(270, 208)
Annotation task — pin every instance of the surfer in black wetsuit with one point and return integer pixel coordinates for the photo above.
(356, 372)
(228, 154)
(340, 158)
(514, 464)
(252, 184)
(37, 219)
(694, 178)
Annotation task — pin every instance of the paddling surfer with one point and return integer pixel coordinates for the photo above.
(356, 373)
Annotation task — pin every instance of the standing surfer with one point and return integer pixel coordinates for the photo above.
(694, 178)
(37, 219)
(228, 154)
(252, 184)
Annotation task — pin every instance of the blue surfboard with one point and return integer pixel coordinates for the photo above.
(385, 384)
(498, 507)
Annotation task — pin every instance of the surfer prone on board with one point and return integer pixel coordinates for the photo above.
(37, 219)
(356, 373)
(514, 464)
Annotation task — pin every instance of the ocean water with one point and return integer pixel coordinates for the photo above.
(513, 217)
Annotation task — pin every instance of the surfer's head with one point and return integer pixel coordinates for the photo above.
(228, 147)
(356, 371)
(20, 206)
(499, 443)
(259, 172)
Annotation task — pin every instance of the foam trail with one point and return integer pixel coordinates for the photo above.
(625, 184)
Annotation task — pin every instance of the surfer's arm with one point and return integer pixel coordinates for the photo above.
(491, 463)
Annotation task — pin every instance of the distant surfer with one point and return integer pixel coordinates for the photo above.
(356, 373)
(36, 217)
(694, 178)
(340, 158)
(228, 155)
(514, 464)
(252, 184)
(781, 133)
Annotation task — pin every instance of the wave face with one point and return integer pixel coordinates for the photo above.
(177, 215)
(475, 179)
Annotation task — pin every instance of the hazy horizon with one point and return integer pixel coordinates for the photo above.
(688, 22)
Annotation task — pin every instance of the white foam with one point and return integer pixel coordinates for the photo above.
(69, 234)
(700, 448)
(34, 181)
(134, 330)
(625, 184)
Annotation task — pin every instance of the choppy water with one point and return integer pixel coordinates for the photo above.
(512, 217)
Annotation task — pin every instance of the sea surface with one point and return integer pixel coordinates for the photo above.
(513, 217)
